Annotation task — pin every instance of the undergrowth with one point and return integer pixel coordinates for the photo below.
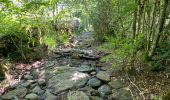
(120, 51)
(125, 53)
(161, 58)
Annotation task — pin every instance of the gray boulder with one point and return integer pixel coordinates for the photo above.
(25, 84)
(16, 93)
(50, 72)
(77, 95)
(67, 80)
(94, 82)
(104, 76)
(37, 90)
(49, 96)
(86, 68)
(31, 96)
(104, 91)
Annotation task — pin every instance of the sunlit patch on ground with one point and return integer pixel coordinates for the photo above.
(16, 71)
(78, 75)
(35, 64)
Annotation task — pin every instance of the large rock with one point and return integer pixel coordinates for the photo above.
(49, 96)
(77, 95)
(32, 96)
(50, 72)
(37, 90)
(94, 82)
(104, 76)
(86, 68)
(104, 91)
(25, 84)
(17, 93)
(116, 84)
(22, 84)
(66, 81)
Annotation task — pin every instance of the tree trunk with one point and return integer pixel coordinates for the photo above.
(152, 25)
(160, 29)
(39, 36)
(134, 24)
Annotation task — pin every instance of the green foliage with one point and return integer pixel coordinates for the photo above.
(160, 59)
(23, 28)
(50, 40)
(166, 96)
(102, 20)
(33, 5)
(62, 38)
(10, 43)
(26, 27)
(156, 98)
(28, 55)
(123, 51)
(120, 50)
(112, 18)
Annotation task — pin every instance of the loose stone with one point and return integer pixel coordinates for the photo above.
(104, 91)
(94, 82)
(77, 95)
(104, 76)
(86, 68)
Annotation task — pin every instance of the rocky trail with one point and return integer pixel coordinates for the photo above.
(71, 73)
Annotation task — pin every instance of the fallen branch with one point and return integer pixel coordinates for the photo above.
(136, 87)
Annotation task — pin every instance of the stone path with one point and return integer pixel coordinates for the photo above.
(71, 74)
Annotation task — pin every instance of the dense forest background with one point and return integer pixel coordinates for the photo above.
(134, 33)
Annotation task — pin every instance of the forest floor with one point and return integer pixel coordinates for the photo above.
(75, 72)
